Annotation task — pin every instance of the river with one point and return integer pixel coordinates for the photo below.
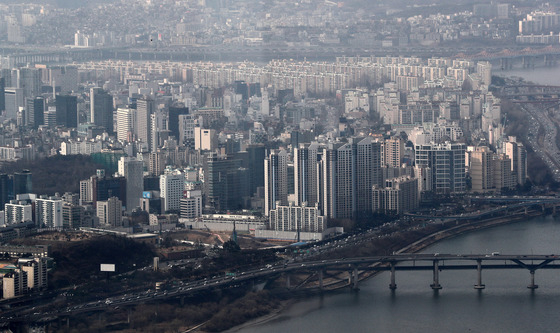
(506, 305)
(540, 75)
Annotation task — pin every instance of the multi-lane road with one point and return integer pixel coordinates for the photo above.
(547, 149)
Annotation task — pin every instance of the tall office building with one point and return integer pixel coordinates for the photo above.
(101, 108)
(67, 111)
(23, 182)
(72, 215)
(191, 204)
(145, 107)
(173, 119)
(205, 139)
(255, 164)
(13, 99)
(447, 164)
(226, 183)
(275, 180)
(5, 190)
(102, 188)
(35, 111)
(65, 77)
(171, 186)
(133, 171)
(29, 80)
(109, 212)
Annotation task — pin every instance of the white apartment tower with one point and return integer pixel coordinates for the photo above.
(48, 212)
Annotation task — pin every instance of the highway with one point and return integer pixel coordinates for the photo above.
(548, 150)
(375, 263)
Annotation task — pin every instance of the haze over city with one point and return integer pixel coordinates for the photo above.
(272, 166)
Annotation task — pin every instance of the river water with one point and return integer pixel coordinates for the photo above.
(506, 305)
(540, 75)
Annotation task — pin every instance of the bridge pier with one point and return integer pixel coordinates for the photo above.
(320, 273)
(288, 286)
(436, 285)
(353, 277)
(393, 285)
(479, 284)
(532, 286)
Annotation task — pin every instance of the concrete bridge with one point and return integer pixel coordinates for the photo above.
(436, 262)
(530, 93)
(317, 269)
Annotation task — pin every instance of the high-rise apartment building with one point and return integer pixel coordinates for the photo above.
(275, 180)
(481, 170)
(368, 171)
(18, 212)
(297, 218)
(518, 156)
(394, 152)
(48, 212)
(306, 174)
(397, 196)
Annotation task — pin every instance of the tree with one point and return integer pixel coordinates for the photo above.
(231, 247)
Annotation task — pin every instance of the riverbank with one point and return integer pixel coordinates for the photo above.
(414, 247)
